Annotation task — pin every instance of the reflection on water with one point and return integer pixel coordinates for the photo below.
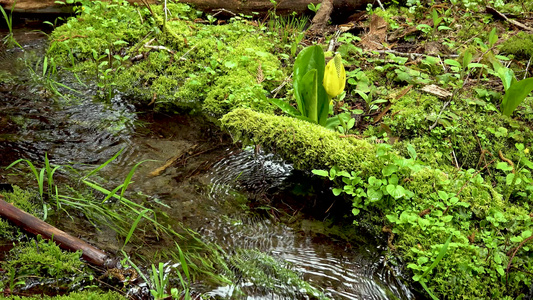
(342, 270)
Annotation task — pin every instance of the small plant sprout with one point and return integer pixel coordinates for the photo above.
(314, 8)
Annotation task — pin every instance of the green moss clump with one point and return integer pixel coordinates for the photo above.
(42, 259)
(520, 45)
(308, 145)
(217, 68)
(83, 295)
(24, 200)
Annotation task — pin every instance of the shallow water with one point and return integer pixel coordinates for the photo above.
(237, 199)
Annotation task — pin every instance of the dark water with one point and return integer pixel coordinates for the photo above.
(285, 214)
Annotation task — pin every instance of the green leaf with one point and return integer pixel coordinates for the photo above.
(337, 192)
(284, 106)
(308, 92)
(441, 254)
(308, 59)
(322, 173)
(509, 178)
(411, 150)
(374, 195)
(467, 58)
(516, 93)
(443, 195)
(398, 192)
(452, 62)
(389, 170)
(504, 166)
(493, 38)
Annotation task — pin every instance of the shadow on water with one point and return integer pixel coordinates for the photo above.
(234, 198)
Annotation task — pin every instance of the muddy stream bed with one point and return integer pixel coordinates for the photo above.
(235, 198)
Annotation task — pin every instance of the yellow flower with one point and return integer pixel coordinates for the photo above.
(526, 151)
(334, 76)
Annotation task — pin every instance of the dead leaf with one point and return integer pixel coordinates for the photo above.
(377, 34)
(436, 91)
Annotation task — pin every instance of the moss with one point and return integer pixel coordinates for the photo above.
(83, 295)
(520, 45)
(24, 200)
(42, 259)
(308, 145)
(228, 66)
(463, 130)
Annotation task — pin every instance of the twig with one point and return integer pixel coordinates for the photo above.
(147, 45)
(276, 90)
(223, 10)
(183, 56)
(514, 253)
(506, 160)
(527, 67)
(381, 5)
(149, 8)
(496, 13)
(475, 174)
(455, 158)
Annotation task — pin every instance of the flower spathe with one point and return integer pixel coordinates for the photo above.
(334, 77)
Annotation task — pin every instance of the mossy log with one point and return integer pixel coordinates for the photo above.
(36, 226)
(284, 7)
(307, 145)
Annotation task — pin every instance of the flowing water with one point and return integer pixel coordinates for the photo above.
(237, 199)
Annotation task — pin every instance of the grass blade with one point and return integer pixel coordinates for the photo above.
(102, 165)
(134, 226)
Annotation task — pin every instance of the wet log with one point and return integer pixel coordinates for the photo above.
(283, 7)
(36, 226)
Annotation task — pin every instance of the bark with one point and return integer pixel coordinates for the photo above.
(322, 16)
(36, 226)
(284, 7)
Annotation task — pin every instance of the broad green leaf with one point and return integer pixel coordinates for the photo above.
(509, 179)
(308, 92)
(374, 195)
(452, 62)
(493, 38)
(308, 59)
(504, 166)
(398, 192)
(411, 150)
(516, 93)
(443, 195)
(467, 58)
(322, 173)
(389, 170)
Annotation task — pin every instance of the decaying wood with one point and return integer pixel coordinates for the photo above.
(221, 7)
(499, 15)
(322, 16)
(36, 226)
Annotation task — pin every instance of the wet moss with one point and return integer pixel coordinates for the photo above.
(44, 260)
(307, 145)
(24, 200)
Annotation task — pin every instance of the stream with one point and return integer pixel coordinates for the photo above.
(236, 198)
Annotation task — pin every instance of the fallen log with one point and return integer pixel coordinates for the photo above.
(36, 226)
(282, 7)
